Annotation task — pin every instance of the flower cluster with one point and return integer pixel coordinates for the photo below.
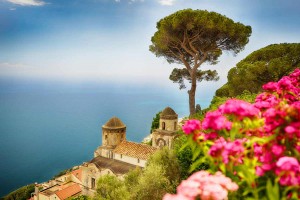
(262, 139)
(204, 185)
(228, 151)
(191, 126)
(287, 169)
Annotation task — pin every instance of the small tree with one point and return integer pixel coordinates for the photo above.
(155, 122)
(131, 178)
(152, 184)
(167, 159)
(111, 188)
(193, 37)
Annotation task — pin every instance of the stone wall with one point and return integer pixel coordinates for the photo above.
(130, 160)
(167, 124)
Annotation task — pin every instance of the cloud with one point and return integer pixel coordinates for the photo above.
(12, 65)
(12, 9)
(27, 2)
(166, 2)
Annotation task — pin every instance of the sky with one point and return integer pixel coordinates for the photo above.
(108, 40)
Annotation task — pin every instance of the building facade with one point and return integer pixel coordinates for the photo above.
(167, 131)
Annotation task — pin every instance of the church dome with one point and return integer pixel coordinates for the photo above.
(168, 113)
(113, 123)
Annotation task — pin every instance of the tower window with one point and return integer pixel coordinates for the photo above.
(163, 126)
(138, 160)
(106, 137)
(175, 126)
(93, 183)
(121, 155)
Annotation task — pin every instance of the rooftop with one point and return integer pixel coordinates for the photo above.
(117, 167)
(68, 192)
(77, 173)
(114, 122)
(132, 149)
(168, 113)
(63, 191)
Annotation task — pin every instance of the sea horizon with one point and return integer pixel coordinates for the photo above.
(47, 127)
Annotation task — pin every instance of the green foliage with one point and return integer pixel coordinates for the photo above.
(81, 197)
(264, 65)
(185, 33)
(161, 175)
(131, 178)
(111, 188)
(152, 184)
(179, 75)
(184, 155)
(22, 193)
(217, 100)
(168, 161)
(155, 122)
(193, 37)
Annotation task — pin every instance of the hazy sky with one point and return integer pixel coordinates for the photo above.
(108, 40)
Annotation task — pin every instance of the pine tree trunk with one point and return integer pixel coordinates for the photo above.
(192, 93)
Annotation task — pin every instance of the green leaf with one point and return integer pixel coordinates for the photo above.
(272, 191)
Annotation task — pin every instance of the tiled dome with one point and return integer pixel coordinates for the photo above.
(168, 113)
(114, 122)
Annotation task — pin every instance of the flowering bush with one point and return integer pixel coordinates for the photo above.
(255, 145)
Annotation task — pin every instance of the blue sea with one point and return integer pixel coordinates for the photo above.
(46, 127)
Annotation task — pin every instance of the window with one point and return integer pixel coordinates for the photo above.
(175, 126)
(163, 125)
(121, 155)
(93, 183)
(138, 160)
(106, 137)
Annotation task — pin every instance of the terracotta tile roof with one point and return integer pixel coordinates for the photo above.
(116, 166)
(77, 173)
(68, 192)
(141, 151)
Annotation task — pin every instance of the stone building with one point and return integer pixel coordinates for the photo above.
(116, 156)
(168, 126)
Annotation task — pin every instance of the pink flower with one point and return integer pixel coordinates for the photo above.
(191, 125)
(288, 163)
(216, 121)
(288, 170)
(259, 171)
(239, 108)
(277, 149)
(204, 185)
(271, 86)
(189, 188)
(217, 148)
(210, 136)
(293, 130)
(176, 197)
(285, 83)
(295, 74)
(265, 100)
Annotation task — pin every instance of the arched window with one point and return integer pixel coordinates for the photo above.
(163, 126)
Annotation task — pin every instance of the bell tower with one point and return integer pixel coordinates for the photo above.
(165, 134)
(113, 133)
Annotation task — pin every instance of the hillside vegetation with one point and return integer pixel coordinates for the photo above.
(262, 66)
(22, 193)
